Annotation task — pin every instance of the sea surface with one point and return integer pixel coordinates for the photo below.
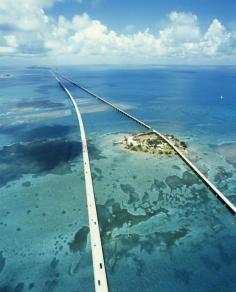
(162, 229)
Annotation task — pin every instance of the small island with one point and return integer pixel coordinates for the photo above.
(152, 143)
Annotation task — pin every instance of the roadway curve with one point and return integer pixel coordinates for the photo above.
(99, 269)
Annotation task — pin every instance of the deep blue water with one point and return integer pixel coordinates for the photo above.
(162, 229)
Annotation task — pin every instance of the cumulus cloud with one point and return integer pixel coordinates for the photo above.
(25, 15)
(27, 30)
(216, 39)
(183, 27)
(181, 37)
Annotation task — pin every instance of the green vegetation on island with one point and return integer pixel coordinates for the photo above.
(152, 143)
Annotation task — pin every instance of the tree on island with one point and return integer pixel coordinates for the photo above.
(183, 144)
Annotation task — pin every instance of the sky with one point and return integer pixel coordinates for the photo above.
(42, 32)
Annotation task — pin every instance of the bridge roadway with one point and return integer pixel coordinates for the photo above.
(99, 269)
(226, 202)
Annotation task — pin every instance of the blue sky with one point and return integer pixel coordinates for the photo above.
(109, 31)
(146, 13)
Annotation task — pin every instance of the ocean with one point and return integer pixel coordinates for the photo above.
(162, 229)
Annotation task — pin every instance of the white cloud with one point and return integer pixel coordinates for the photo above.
(82, 39)
(25, 15)
(182, 37)
(216, 38)
(7, 50)
(11, 40)
(182, 28)
(8, 44)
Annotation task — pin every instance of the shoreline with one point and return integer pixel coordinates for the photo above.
(151, 143)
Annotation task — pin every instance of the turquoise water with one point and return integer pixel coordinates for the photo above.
(161, 228)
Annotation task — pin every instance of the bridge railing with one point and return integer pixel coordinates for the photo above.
(226, 202)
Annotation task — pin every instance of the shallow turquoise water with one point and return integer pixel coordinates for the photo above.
(162, 229)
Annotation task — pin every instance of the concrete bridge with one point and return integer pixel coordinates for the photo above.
(223, 199)
(100, 278)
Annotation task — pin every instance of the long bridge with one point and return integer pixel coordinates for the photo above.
(223, 199)
(99, 270)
